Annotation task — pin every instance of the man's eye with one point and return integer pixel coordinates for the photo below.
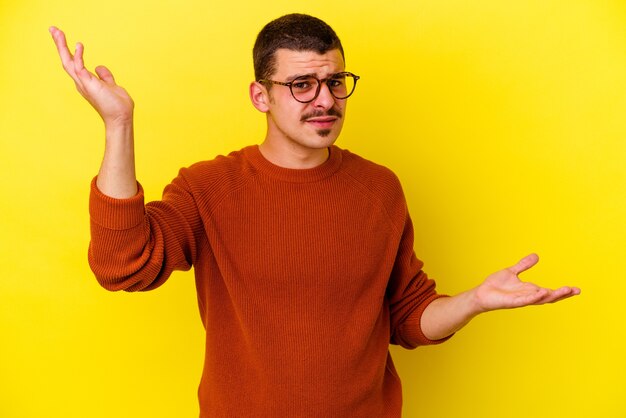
(301, 85)
(335, 82)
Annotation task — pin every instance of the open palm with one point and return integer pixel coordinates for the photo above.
(504, 289)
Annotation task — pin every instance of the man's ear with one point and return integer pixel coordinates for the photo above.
(259, 97)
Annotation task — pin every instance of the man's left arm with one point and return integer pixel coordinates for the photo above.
(501, 290)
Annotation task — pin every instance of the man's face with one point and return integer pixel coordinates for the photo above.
(306, 126)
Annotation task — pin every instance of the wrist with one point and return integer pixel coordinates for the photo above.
(475, 307)
(119, 135)
(120, 123)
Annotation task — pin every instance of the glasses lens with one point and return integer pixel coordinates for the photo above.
(342, 85)
(304, 88)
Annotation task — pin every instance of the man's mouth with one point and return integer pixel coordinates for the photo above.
(322, 122)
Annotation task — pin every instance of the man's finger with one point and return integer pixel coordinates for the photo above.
(563, 293)
(552, 296)
(67, 59)
(79, 65)
(105, 75)
(524, 264)
(64, 53)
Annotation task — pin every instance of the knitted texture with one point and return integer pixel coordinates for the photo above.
(303, 277)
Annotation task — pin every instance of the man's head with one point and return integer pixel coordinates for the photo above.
(295, 32)
(287, 50)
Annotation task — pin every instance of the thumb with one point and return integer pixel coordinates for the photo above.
(105, 75)
(524, 264)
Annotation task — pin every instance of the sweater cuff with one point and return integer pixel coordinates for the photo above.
(412, 327)
(116, 214)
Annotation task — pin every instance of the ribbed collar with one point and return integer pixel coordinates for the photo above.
(291, 175)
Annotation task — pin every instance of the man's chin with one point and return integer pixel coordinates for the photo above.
(324, 132)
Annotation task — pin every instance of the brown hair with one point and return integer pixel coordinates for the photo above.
(296, 32)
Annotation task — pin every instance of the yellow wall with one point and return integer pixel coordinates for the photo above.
(506, 122)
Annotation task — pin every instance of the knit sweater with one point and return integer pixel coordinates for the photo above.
(304, 278)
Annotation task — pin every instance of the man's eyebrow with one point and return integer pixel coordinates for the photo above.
(294, 76)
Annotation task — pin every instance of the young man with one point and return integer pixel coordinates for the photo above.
(302, 251)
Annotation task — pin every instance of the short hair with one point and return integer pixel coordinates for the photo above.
(296, 32)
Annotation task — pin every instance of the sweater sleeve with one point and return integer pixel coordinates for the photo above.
(409, 292)
(135, 246)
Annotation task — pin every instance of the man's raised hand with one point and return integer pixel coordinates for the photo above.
(116, 177)
(111, 101)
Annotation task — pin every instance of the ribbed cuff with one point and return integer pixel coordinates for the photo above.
(116, 214)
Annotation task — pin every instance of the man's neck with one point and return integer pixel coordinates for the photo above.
(292, 156)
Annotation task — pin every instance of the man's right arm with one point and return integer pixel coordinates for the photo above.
(116, 177)
(133, 246)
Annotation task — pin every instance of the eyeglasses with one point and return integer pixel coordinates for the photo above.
(306, 88)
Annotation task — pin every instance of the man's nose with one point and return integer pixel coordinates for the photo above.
(324, 99)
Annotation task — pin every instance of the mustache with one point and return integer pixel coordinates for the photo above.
(319, 113)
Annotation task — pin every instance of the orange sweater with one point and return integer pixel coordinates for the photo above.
(303, 277)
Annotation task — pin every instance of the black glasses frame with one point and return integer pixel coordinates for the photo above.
(319, 85)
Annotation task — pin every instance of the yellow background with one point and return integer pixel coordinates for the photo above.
(505, 121)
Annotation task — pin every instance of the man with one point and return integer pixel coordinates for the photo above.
(302, 251)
